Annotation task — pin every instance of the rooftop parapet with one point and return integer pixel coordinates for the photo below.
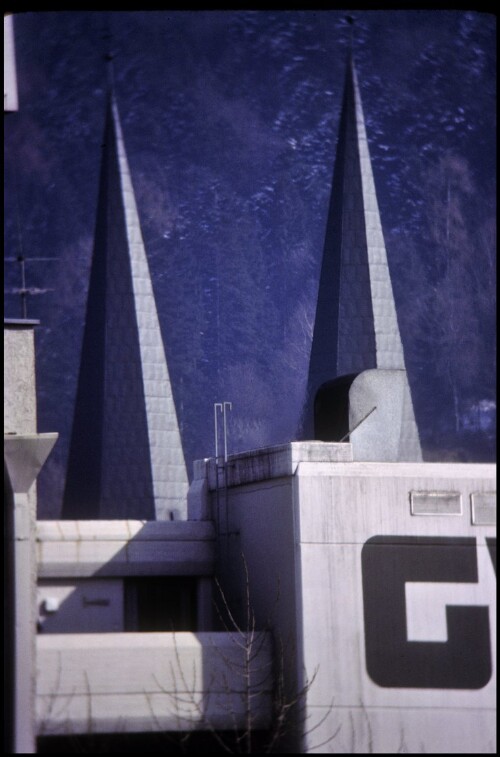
(270, 462)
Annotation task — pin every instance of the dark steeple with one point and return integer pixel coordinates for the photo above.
(126, 458)
(356, 327)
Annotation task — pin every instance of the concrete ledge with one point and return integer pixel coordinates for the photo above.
(121, 530)
(436, 471)
(133, 682)
(270, 462)
(67, 549)
(24, 456)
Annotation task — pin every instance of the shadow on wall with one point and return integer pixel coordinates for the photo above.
(119, 647)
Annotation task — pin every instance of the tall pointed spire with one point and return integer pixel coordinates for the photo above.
(126, 458)
(356, 327)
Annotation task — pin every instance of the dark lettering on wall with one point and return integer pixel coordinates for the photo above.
(461, 662)
(491, 543)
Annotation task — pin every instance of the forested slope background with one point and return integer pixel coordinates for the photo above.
(230, 121)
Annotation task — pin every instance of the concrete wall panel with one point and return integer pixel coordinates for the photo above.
(398, 606)
(334, 631)
(19, 381)
(124, 548)
(113, 683)
(354, 501)
(401, 730)
(80, 606)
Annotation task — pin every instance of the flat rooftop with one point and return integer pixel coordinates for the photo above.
(270, 462)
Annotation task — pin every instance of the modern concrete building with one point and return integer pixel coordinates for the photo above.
(378, 580)
(355, 582)
(109, 625)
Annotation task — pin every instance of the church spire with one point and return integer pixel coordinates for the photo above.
(126, 458)
(356, 327)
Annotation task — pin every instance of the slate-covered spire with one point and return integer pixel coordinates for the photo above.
(126, 458)
(356, 327)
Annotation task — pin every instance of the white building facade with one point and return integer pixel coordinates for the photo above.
(380, 583)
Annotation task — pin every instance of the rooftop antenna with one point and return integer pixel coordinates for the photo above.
(24, 290)
(21, 259)
(222, 407)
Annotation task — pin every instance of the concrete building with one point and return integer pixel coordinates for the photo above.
(372, 583)
(380, 583)
(109, 625)
(355, 582)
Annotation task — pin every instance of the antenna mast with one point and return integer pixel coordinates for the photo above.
(222, 407)
(23, 291)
